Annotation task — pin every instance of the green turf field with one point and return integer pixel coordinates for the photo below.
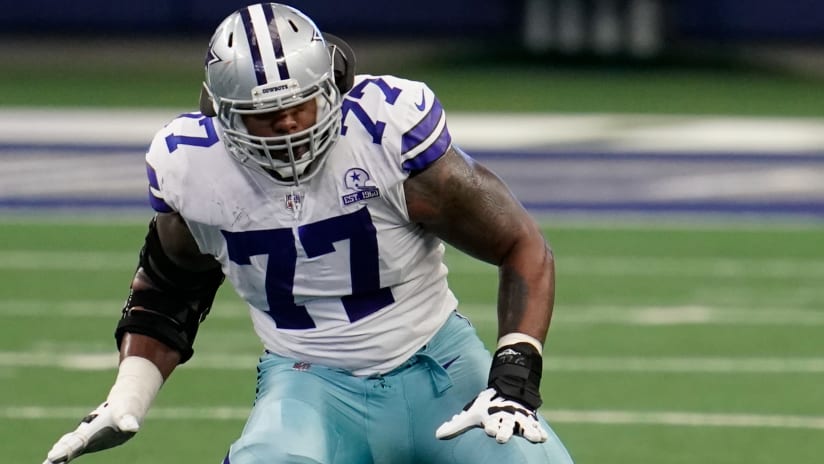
(670, 344)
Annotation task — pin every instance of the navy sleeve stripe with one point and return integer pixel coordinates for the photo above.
(157, 202)
(428, 156)
(152, 175)
(423, 130)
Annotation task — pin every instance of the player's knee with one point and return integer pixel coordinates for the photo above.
(482, 449)
(284, 431)
(265, 449)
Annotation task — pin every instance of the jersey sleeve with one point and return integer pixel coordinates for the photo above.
(416, 131)
(159, 169)
(425, 136)
(167, 160)
(157, 197)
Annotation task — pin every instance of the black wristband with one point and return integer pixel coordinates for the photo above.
(516, 374)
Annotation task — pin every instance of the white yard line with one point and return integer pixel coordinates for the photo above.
(589, 315)
(699, 365)
(687, 315)
(664, 266)
(91, 361)
(568, 264)
(585, 315)
(97, 309)
(684, 419)
(67, 260)
(639, 132)
(599, 417)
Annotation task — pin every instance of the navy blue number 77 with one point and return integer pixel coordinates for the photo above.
(317, 239)
(211, 138)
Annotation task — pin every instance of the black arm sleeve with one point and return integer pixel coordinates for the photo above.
(173, 309)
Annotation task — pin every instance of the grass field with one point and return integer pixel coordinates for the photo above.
(670, 344)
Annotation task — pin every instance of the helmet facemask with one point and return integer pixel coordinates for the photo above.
(289, 158)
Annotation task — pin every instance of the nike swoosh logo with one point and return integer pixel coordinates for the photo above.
(449, 363)
(420, 106)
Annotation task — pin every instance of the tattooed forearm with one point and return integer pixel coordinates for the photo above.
(513, 295)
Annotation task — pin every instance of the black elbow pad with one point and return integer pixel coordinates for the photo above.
(172, 311)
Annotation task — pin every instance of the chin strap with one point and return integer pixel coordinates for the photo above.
(207, 104)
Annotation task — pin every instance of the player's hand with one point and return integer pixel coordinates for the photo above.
(118, 418)
(499, 417)
(106, 427)
(508, 407)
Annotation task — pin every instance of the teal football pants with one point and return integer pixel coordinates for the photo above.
(312, 414)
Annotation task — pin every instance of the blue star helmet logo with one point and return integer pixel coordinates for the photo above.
(211, 56)
(356, 179)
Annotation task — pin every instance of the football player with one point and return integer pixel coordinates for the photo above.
(324, 197)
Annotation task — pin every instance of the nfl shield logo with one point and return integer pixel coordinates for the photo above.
(301, 366)
(294, 201)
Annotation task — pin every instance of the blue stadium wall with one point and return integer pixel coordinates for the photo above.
(794, 20)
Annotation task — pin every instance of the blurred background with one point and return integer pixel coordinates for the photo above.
(673, 151)
(639, 105)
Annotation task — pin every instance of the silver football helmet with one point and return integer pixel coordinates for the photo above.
(264, 58)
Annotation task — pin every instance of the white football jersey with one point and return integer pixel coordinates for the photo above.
(333, 271)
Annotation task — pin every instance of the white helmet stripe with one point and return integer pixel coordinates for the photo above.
(268, 41)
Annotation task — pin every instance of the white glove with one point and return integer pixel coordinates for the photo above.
(103, 428)
(499, 417)
(118, 418)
